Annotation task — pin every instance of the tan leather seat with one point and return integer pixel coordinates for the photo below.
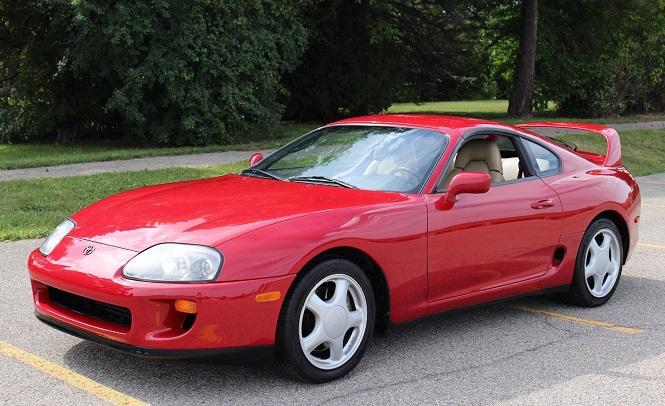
(478, 155)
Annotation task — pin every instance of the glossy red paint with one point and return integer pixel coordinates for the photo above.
(482, 247)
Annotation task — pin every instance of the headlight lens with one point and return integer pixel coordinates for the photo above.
(56, 236)
(175, 263)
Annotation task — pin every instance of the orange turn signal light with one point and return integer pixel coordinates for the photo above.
(185, 306)
(268, 296)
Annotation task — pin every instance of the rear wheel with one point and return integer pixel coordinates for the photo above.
(326, 322)
(598, 265)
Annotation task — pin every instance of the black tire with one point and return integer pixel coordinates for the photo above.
(290, 356)
(579, 293)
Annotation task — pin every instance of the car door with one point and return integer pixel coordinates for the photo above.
(506, 235)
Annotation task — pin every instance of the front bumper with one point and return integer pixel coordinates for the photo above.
(228, 316)
(244, 353)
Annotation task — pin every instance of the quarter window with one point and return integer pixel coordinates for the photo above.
(544, 159)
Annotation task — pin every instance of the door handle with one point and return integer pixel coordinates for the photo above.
(542, 204)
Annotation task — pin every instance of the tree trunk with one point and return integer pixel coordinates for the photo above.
(520, 103)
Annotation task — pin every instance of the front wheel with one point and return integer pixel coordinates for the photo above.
(598, 265)
(326, 322)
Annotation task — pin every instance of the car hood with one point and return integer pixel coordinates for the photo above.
(209, 211)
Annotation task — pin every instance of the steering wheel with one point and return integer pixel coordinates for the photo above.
(403, 169)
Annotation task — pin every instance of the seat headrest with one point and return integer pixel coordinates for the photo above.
(480, 150)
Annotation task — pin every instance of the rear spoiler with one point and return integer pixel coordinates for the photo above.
(612, 157)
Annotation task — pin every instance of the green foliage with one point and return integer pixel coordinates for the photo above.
(37, 90)
(156, 72)
(364, 55)
(200, 72)
(599, 58)
(346, 70)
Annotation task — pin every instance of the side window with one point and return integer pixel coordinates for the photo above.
(494, 154)
(512, 163)
(544, 160)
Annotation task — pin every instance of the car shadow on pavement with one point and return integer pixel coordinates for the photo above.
(493, 353)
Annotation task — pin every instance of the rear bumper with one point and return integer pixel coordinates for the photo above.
(228, 317)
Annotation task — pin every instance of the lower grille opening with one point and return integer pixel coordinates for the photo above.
(92, 308)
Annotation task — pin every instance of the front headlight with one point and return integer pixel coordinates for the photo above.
(56, 236)
(172, 262)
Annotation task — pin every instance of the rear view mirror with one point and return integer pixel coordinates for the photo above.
(465, 182)
(255, 159)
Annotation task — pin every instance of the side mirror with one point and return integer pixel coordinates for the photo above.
(465, 182)
(255, 159)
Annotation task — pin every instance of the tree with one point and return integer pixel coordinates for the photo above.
(365, 54)
(348, 68)
(36, 88)
(520, 103)
(609, 59)
(157, 72)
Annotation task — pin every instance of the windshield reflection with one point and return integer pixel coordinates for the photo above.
(367, 157)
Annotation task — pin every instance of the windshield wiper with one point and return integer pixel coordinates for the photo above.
(261, 173)
(322, 179)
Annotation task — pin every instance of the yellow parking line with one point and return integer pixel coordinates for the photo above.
(643, 244)
(653, 205)
(566, 317)
(68, 376)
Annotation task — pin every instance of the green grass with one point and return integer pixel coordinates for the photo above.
(643, 150)
(496, 110)
(481, 108)
(34, 155)
(31, 208)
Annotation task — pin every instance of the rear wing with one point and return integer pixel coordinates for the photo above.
(612, 157)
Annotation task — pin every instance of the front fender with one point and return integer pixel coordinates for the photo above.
(393, 235)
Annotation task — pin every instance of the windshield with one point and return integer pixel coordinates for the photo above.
(367, 157)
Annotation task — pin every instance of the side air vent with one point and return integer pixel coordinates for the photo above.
(559, 253)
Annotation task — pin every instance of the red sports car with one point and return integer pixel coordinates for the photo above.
(358, 224)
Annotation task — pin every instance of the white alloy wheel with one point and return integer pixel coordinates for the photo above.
(602, 262)
(332, 321)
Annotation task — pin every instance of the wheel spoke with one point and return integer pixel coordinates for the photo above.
(613, 266)
(598, 282)
(590, 268)
(605, 245)
(336, 348)
(314, 339)
(594, 247)
(341, 289)
(317, 306)
(355, 318)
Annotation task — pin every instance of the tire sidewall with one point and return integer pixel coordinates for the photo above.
(289, 352)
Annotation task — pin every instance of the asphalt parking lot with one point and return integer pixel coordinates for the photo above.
(532, 351)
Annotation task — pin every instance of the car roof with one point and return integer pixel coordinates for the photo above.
(452, 125)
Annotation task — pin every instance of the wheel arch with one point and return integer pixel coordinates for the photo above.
(618, 220)
(371, 268)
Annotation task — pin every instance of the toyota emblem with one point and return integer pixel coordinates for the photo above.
(88, 250)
